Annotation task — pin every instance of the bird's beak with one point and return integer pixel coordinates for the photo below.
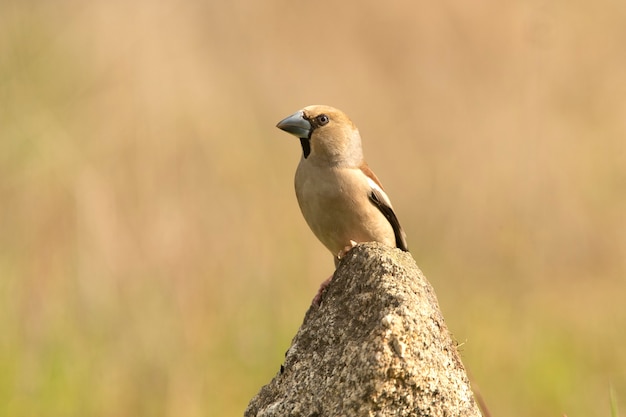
(296, 124)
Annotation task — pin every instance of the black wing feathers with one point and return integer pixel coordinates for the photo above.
(379, 202)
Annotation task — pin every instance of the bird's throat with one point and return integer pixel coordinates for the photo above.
(306, 146)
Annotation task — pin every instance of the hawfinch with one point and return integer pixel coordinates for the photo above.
(340, 197)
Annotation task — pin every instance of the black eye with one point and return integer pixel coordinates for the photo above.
(322, 119)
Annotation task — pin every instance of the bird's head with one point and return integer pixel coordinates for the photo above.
(326, 134)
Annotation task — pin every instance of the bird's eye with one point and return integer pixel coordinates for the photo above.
(322, 119)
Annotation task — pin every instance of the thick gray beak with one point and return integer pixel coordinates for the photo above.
(296, 124)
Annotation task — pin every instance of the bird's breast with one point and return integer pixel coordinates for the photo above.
(335, 204)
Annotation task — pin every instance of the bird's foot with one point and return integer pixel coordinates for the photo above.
(320, 292)
(317, 300)
(347, 249)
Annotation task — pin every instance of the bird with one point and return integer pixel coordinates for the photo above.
(340, 197)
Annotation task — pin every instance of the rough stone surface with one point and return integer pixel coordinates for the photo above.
(377, 346)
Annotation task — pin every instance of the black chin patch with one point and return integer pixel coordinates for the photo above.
(306, 147)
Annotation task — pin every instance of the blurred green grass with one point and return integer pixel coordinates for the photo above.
(152, 257)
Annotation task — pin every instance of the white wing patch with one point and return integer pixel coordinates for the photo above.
(376, 187)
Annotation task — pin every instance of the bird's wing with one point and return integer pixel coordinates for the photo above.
(380, 199)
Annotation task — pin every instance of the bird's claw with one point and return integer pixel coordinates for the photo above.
(317, 300)
(347, 249)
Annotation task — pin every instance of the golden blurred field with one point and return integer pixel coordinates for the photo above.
(153, 260)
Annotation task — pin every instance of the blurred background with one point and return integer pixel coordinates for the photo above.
(153, 259)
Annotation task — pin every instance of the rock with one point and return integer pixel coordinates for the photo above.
(376, 346)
